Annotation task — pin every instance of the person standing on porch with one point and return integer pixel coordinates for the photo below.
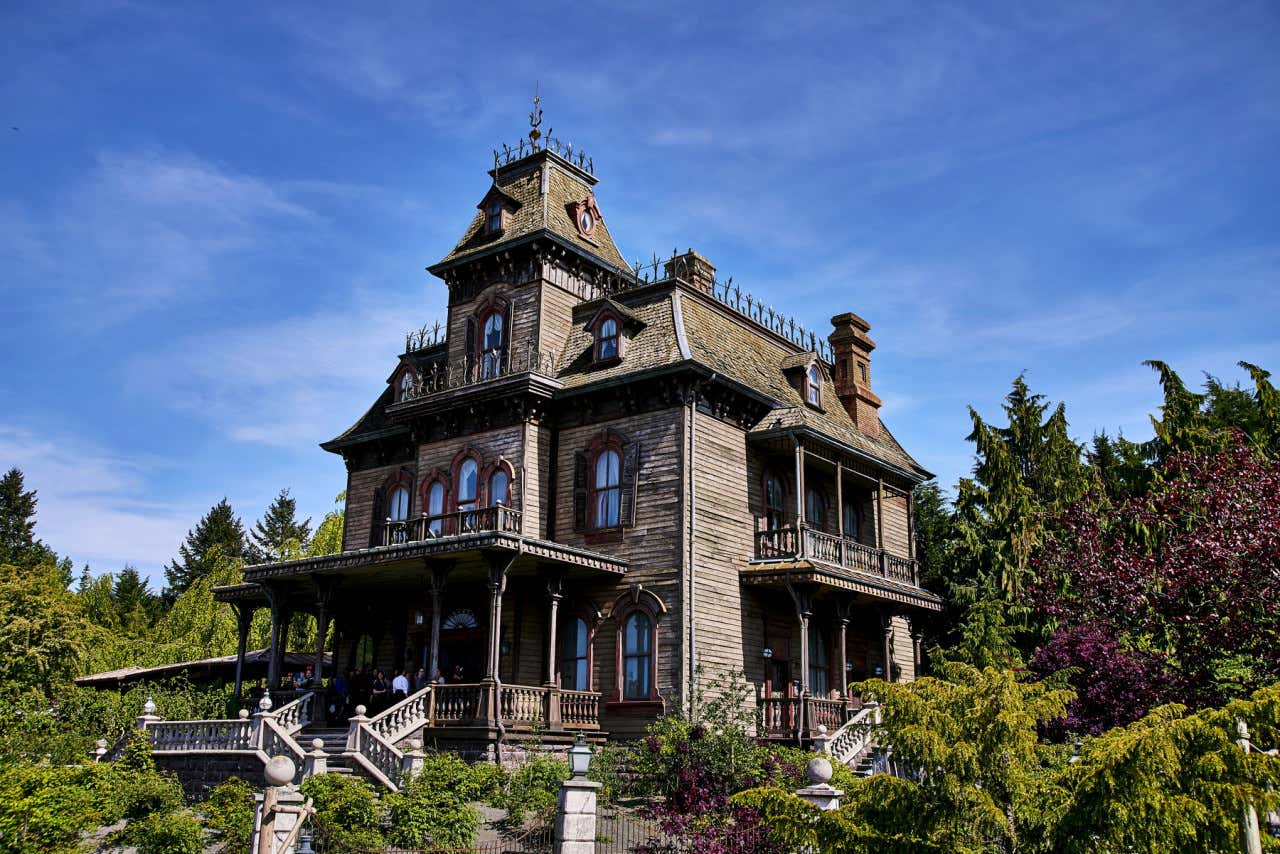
(378, 692)
(399, 687)
(420, 679)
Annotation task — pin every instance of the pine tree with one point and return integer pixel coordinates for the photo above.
(219, 528)
(278, 535)
(933, 523)
(328, 537)
(18, 545)
(135, 604)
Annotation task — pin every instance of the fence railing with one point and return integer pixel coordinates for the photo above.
(465, 521)
(478, 368)
(800, 717)
(795, 542)
(848, 743)
(170, 736)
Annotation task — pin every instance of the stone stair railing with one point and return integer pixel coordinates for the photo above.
(371, 742)
(851, 741)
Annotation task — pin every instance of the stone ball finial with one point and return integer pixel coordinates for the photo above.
(819, 770)
(317, 743)
(279, 771)
(360, 710)
(102, 744)
(243, 714)
(822, 729)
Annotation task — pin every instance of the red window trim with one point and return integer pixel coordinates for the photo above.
(637, 600)
(610, 441)
(486, 477)
(805, 385)
(455, 473)
(597, 341)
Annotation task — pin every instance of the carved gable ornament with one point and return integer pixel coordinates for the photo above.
(586, 216)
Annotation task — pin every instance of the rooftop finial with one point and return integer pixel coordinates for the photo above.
(535, 117)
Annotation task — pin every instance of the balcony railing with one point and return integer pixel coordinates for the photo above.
(466, 521)
(475, 369)
(796, 542)
(800, 717)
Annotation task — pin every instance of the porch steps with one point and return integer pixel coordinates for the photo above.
(334, 744)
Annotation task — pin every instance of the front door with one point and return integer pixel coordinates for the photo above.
(462, 647)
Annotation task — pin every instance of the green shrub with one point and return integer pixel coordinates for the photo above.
(347, 816)
(426, 812)
(481, 782)
(46, 809)
(229, 810)
(533, 788)
(140, 794)
(172, 832)
(607, 765)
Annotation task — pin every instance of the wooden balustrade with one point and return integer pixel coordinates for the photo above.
(167, 736)
(779, 714)
(804, 542)
(455, 704)
(454, 523)
(580, 709)
(521, 705)
(792, 716)
(820, 711)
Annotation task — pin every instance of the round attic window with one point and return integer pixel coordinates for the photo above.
(586, 222)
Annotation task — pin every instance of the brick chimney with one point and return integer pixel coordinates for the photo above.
(851, 348)
(692, 268)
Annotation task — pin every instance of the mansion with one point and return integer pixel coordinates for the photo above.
(598, 490)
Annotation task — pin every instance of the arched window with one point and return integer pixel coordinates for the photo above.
(398, 505)
(435, 507)
(852, 520)
(463, 618)
(499, 488)
(813, 388)
(468, 481)
(574, 670)
(637, 656)
(818, 675)
(363, 653)
(775, 502)
(493, 217)
(815, 509)
(606, 489)
(607, 339)
(491, 341)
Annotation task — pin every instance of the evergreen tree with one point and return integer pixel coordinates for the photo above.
(278, 535)
(18, 545)
(135, 604)
(328, 538)
(1121, 468)
(219, 528)
(42, 630)
(1204, 423)
(933, 524)
(1023, 471)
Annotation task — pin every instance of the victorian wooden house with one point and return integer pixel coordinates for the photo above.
(597, 485)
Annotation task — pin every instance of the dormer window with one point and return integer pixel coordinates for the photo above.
(813, 386)
(493, 217)
(406, 385)
(607, 340)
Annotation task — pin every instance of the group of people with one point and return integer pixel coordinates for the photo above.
(359, 687)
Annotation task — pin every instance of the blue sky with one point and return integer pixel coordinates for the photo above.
(214, 219)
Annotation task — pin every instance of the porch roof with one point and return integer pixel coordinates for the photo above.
(453, 546)
(778, 573)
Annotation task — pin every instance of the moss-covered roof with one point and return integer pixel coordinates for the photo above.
(522, 183)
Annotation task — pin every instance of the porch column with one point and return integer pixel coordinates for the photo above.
(499, 563)
(844, 656)
(324, 593)
(555, 592)
(279, 636)
(883, 557)
(244, 621)
(917, 649)
(803, 598)
(800, 520)
(840, 520)
(439, 574)
(886, 622)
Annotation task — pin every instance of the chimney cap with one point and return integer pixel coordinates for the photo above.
(850, 319)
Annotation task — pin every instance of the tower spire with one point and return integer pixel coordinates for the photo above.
(535, 117)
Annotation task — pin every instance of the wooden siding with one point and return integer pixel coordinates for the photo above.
(358, 516)
(895, 525)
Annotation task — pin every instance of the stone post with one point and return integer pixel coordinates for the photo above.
(317, 761)
(820, 740)
(353, 729)
(280, 810)
(413, 760)
(820, 792)
(576, 817)
(148, 715)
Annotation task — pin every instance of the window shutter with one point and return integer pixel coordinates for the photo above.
(379, 516)
(580, 491)
(469, 357)
(508, 356)
(630, 471)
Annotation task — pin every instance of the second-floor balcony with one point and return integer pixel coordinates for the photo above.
(477, 368)
(474, 520)
(801, 541)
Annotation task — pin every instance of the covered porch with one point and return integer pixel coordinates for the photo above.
(487, 624)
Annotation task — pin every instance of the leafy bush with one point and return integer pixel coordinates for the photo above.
(533, 788)
(470, 783)
(347, 816)
(46, 809)
(139, 795)
(172, 832)
(229, 811)
(607, 765)
(426, 813)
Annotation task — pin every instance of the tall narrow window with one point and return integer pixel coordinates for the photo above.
(852, 518)
(435, 507)
(493, 217)
(815, 509)
(573, 655)
(468, 478)
(814, 386)
(607, 339)
(406, 385)
(775, 503)
(398, 506)
(491, 346)
(637, 656)
(499, 489)
(607, 490)
(817, 664)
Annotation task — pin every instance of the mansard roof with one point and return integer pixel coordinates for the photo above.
(543, 187)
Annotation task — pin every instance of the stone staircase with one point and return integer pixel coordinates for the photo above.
(853, 743)
(333, 741)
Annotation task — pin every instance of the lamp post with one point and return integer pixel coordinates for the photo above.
(575, 831)
(579, 758)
